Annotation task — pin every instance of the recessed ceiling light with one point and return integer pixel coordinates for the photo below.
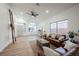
(47, 11)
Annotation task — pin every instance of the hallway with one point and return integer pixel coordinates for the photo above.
(22, 47)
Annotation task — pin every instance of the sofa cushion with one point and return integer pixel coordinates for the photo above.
(61, 50)
(50, 52)
(73, 52)
(43, 41)
(76, 39)
(53, 35)
(69, 45)
(61, 38)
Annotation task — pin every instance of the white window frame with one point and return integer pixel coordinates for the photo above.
(57, 25)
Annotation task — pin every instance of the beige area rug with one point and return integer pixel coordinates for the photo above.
(20, 48)
(34, 47)
(32, 40)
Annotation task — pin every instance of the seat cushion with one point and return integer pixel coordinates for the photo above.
(69, 45)
(50, 52)
(61, 50)
(53, 35)
(43, 41)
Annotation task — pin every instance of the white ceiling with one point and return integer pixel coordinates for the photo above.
(20, 9)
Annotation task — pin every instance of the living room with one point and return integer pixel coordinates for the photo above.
(46, 29)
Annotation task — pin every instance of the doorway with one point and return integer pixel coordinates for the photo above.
(12, 26)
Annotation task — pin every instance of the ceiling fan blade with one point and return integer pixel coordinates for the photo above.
(32, 13)
(37, 14)
(28, 13)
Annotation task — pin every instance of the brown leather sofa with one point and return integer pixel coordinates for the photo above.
(55, 42)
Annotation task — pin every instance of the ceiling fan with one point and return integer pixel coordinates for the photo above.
(32, 12)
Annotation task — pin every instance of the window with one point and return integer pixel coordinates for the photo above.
(60, 27)
(63, 27)
(53, 27)
(32, 27)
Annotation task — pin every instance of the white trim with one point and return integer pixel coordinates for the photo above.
(9, 42)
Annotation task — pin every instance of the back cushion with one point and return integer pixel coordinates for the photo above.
(76, 39)
(61, 38)
(53, 35)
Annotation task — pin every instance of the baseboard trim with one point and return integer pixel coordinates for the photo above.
(5, 46)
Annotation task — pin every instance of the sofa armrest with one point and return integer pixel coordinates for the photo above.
(73, 52)
(50, 52)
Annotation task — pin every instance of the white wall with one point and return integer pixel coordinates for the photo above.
(72, 15)
(5, 34)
